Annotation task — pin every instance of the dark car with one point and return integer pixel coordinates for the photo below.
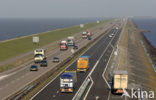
(75, 47)
(44, 63)
(33, 68)
(89, 38)
(56, 59)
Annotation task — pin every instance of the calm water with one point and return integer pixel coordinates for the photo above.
(12, 28)
(150, 25)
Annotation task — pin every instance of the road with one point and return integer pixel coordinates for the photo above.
(100, 89)
(18, 79)
(99, 53)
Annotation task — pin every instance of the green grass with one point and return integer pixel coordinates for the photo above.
(19, 46)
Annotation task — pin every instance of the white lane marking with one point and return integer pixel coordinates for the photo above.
(107, 65)
(109, 95)
(61, 72)
(94, 68)
(97, 97)
(68, 66)
(88, 89)
(86, 79)
(5, 76)
(57, 92)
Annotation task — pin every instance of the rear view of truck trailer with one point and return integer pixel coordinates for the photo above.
(67, 81)
(83, 63)
(120, 81)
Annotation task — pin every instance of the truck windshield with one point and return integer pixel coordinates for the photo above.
(38, 55)
(63, 44)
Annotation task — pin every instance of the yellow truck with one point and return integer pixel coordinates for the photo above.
(82, 63)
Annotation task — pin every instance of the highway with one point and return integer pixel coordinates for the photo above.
(100, 89)
(99, 55)
(14, 80)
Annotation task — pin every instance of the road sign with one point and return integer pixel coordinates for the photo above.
(81, 25)
(97, 21)
(35, 39)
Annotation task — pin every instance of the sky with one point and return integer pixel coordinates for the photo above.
(76, 8)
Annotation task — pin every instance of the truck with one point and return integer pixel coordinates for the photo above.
(70, 41)
(84, 35)
(120, 81)
(68, 80)
(39, 55)
(82, 64)
(63, 45)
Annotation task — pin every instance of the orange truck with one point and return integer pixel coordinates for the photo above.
(82, 64)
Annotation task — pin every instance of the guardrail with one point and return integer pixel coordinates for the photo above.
(82, 89)
(18, 95)
(148, 55)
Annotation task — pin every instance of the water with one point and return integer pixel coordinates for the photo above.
(150, 25)
(12, 28)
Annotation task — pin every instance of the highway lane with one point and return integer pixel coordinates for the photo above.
(51, 91)
(100, 89)
(24, 76)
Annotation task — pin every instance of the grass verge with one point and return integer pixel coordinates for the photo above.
(12, 48)
(19, 46)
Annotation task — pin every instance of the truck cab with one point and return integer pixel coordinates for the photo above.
(70, 41)
(84, 35)
(83, 64)
(67, 81)
(63, 45)
(39, 55)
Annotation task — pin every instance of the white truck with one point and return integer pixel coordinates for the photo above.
(120, 81)
(67, 81)
(70, 41)
(39, 55)
(84, 35)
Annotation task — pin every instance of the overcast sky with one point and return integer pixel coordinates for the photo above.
(76, 8)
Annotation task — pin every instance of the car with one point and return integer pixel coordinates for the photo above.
(56, 59)
(75, 47)
(44, 63)
(89, 38)
(110, 36)
(33, 68)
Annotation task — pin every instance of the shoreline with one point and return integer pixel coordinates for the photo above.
(35, 34)
(150, 48)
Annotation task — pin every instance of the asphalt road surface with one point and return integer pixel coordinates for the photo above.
(15, 80)
(100, 52)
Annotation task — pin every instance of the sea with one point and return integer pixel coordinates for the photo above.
(17, 27)
(148, 24)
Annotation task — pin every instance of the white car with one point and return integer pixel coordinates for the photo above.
(110, 36)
